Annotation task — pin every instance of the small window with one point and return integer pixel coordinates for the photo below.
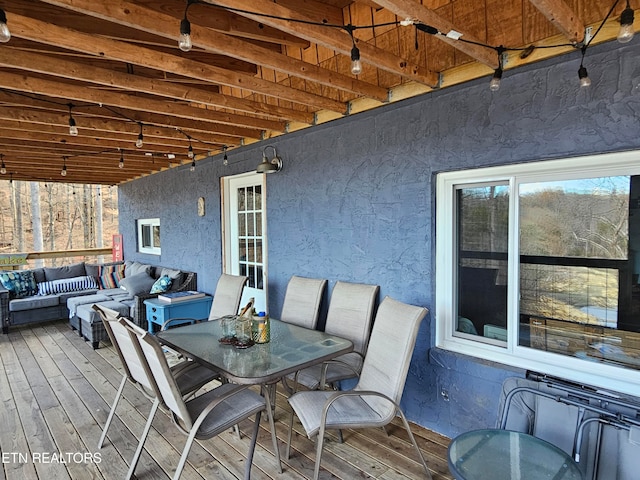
(149, 236)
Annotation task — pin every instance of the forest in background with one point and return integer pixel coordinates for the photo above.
(38, 216)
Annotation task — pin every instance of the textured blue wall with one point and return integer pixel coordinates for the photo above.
(355, 200)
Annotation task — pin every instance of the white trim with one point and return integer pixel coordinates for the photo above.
(598, 374)
(150, 222)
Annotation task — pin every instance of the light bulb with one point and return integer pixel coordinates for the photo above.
(585, 81)
(5, 34)
(64, 171)
(73, 130)
(184, 40)
(193, 166)
(494, 84)
(356, 64)
(190, 152)
(225, 159)
(3, 169)
(626, 25)
(139, 141)
(121, 164)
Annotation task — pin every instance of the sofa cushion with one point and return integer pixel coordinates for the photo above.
(172, 274)
(33, 302)
(137, 284)
(74, 284)
(161, 285)
(67, 271)
(82, 293)
(20, 283)
(74, 302)
(38, 274)
(133, 268)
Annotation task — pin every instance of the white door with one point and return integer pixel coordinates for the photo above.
(244, 231)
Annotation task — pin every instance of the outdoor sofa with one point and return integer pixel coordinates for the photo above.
(45, 294)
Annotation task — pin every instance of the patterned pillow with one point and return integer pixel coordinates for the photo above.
(162, 285)
(118, 274)
(20, 283)
(105, 277)
(63, 285)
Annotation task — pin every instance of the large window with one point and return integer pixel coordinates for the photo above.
(538, 266)
(149, 236)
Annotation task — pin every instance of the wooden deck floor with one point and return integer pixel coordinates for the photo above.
(56, 393)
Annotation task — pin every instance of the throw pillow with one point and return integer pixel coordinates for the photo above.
(133, 268)
(118, 274)
(105, 278)
(20, 283)
(172, 274)
(138, 284)
(66, 271)
(63, 285)
(161, 285)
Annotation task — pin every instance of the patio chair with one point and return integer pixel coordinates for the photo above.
(375, 400)
(226, 299)
(349, 316)
(190, 376)
(302, 300)
(204, 416)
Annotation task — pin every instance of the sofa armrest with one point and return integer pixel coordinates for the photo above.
(140, 317)
(4, 309)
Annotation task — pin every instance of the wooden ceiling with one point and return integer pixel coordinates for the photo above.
(258, 68)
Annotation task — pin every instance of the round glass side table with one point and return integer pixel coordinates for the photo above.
(495, 454)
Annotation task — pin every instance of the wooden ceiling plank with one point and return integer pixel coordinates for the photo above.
(72, 70)
(64, 91)
(36, 30)
(563, 17)
(126, 13)
(414, 10)
(333, 38)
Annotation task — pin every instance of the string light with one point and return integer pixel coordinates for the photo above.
(494, 84)
(585, 81)
(225, 159)
(625, 33)
(193, 165)
(184, 40)
(190, 151)
(121, 163)
(73, 130)
(140, 140)
(3, 167)
(63, 172)
(5, 34)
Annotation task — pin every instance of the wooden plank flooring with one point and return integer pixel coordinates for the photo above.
(56, 392)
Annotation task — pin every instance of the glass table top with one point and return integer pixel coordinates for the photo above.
(505, 455)
(291, 348)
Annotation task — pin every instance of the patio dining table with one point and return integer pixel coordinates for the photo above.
(291, 348)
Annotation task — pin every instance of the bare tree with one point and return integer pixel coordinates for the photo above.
(36, 220)
(98, 217)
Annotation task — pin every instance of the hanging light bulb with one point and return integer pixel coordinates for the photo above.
(190, 151)
(625, 34)
(494, 84)
(5, 34)
(356, 64)
(73, 130)
(193, 165)
(63, 172)
(585, 81)
(3, 167)
(121, 163)
(225, 159)
(184, 40)
(140, 140)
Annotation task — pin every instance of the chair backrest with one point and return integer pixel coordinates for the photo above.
(124, 345)
(150, 353)
(301, 304)
(351, 311)
(226, 299)
(386, 364)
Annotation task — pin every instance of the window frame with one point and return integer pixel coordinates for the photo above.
(593, 373)
(147, 222)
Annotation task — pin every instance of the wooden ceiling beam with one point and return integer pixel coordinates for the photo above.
(53, 89)
(563, 17)
(130, 14)
(416, 11)
(48, 65)
(333, 38)
(38, 31)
